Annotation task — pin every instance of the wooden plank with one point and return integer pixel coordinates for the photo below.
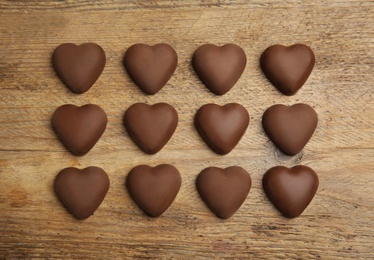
(337, 224)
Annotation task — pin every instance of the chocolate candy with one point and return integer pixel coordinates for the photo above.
(79, 128)
(222, 127)
(154, 188)
(287, 68)
(151, 126)
(219, 68)
(224, 190)
(81, 191)
(150, 67)
(290, 127)
(290, 190)
(79, 66)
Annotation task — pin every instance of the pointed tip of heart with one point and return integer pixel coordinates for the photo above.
(290, 189)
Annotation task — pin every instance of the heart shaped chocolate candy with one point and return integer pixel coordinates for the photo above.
(150, 67)
(287, 68)
(290, 127)
(81, 191)
(151, 126)
(154, 188)
(79, 128)
(223, 190)
(79, 66)
(222, 127)
(290, 190)
(219, 68)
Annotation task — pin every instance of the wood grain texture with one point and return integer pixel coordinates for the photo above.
(339, 223)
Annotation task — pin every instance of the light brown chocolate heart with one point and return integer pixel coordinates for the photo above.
(151, 126)
(222, 127)
(81, 191)
(79, 66)
(290, 127)
(290, 190)
(79, 128)
(224, 190)
(219, 68)
(150, 67)
(287, 68)
(154, 188)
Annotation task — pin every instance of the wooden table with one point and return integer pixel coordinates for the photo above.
(339, 223)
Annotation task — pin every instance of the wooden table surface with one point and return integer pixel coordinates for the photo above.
(339, 223)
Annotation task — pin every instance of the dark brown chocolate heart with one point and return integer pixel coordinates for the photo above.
(151, 126)
(79, 66)
(290, 127)
(222, 127)
(223, 190)
(79, 128)
(154, 188)
(287, 68)
(150, 67)
(290, 190)
(219, 68)
(81, 191)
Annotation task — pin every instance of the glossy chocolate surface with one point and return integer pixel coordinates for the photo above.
(79, 128)
(79, 66)
(290, 127)
(150, 67)
(150, 126)
(287, 68)
(224, 190)
(81, 191)
(219, 68)
(222, 127)
(154, 188)
(290, 190)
